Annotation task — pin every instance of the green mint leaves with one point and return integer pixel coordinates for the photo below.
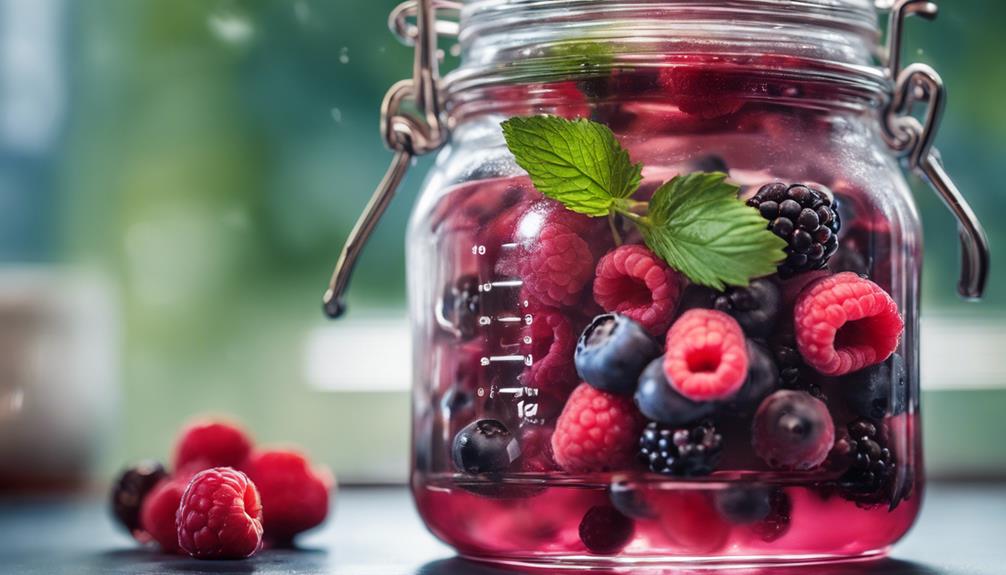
(695, 222)
(700, 228)
(578, 163)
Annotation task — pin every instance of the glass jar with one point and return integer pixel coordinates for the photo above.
(578, 400)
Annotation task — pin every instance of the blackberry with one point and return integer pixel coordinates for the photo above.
(793, 372)
(755, 307)
(869, 465)
(686, 451)
(806, 218)
(128, 491)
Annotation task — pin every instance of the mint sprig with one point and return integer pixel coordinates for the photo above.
(578, 163)
(695, 222)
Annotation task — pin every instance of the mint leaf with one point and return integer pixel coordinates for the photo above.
(699, 226)
(577, 162)
(579, 58)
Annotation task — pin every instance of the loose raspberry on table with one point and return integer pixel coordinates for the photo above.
(208, 443)
(634, 282)
(157, 513)
(844, 323)
(556, 262)
(596, 431)
(706, 356)
(295, 495)
(220, 516)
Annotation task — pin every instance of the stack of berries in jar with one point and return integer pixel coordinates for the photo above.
(224, 498)
(638, 375)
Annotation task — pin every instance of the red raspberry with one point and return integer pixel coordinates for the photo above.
(157, 514)
(701, 90)
(706, 355)
(551, 342)
(556, 263)
(596, 431)
(634, 282)
(844, 323)
(536, 449)
(220, 516)
(294, 494)
(207, 443)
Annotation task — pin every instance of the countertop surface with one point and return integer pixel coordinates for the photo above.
(962, 531)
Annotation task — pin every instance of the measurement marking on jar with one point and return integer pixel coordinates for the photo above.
(527, 319)
(488, 286)
(525, 359)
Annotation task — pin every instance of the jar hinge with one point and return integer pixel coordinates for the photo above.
(408, 132)
(919, 84)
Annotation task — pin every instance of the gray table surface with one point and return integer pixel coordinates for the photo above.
(962, 531)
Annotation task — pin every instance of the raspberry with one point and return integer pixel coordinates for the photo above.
(702, 91)
(220, 515)
(207, 443)
(844, 323)
(536, 449)
(157, 513)
(706, 355)
(551, 342)
(596, 431)
(294, 494)
(634, 282)
(556, 262)
(605, 530)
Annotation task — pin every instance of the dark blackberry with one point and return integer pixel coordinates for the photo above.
(868, 463)
(776, 523)
(129, 490)
(793, 372)
(687, 451)
(806, 218)
(755, 307)
(461, 305)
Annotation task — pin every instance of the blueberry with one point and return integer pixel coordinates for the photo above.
(877, 390)
(604, 530)
(744, 505)
(756, 307)
(612, 352)
(629, 500)
(763, 379)
(793, 430)
(709, 163)
(659, 401)
(484, 446)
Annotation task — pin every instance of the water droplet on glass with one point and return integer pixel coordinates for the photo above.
(344, 55)
(337, 115)
(455, 50)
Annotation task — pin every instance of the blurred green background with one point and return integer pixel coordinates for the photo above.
(211, 156)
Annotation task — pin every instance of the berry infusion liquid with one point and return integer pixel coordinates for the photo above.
(664, 290)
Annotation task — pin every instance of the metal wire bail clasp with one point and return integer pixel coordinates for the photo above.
(906, 134)
(407, 133)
